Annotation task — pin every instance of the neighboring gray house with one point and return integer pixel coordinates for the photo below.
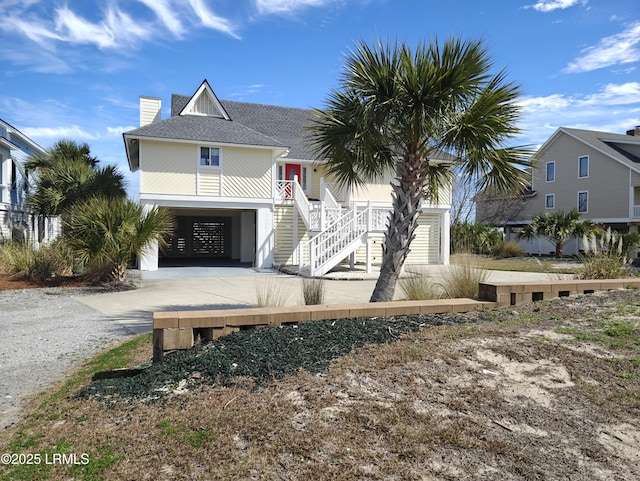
(597, 173)
(15, 221)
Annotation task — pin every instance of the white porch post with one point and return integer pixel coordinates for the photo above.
(445, 222)
(148, 260)
(264, 238)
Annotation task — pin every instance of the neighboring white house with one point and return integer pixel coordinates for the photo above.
(244, 185)
(15, 220)
(597, 173)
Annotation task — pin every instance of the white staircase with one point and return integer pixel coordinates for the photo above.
(335, 232)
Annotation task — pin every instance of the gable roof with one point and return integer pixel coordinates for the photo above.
(228, 122)
(204, 102)
(232, 122)
(622, 148)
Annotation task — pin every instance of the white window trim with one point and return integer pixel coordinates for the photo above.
(583, 176)
(552, 196)
(578, 201)
(546, 171)
(219, 166)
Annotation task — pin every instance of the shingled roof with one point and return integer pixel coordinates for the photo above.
(620, 147)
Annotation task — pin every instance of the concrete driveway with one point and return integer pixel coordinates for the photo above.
(196, 288)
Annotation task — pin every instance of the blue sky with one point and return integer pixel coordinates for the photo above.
(75, 69)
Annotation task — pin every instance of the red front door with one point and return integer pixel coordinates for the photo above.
(291, 171)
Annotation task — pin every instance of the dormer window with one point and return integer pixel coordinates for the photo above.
(210, 156)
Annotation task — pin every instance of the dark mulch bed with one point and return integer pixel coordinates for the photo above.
(263, 355)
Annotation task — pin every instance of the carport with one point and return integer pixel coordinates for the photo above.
(210, 237)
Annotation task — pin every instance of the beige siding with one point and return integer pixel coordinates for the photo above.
(246, 173)
(381, 192)
(168, 168)
(283, 233)
(209, 182)
(607, 199)
(425, 248)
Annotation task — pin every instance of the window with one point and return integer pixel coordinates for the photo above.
(583, 166)
(583, 202)
(14, 176)
(280, 172)
(549, 201)
(210, 156)
(304, 179)
(551, 171)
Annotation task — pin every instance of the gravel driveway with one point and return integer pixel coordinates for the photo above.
(43, 334)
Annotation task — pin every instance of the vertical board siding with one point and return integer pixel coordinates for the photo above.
(168, 168)
(246, 173)
(209, 182)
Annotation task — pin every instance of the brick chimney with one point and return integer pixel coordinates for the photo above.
(149, 110)
(634, 132)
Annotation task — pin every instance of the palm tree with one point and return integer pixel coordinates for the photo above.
(105, 233)
(68, 174)
(396, 108)
(558, 227)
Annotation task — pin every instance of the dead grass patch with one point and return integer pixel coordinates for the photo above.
(519, 395)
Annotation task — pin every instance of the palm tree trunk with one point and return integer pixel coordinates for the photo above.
(407, 197)
(559, 250)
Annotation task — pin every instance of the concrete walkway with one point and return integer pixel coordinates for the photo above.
(193, 288)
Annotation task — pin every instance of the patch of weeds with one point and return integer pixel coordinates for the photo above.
(197, 438)
(619, 329)
(566, 330)
(635, 362)
(628, 375)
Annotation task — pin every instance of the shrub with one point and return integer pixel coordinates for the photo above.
(20, 259)
(15, 258)
(474, 238)
(508, 249)
(270, 292)
(313, 290)
(49, 261)
(106, 233)
(605, 255)
(418, 286)
(602, 267)
(462, 280)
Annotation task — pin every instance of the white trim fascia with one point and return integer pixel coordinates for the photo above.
(290, 160)
(613, 220)
(273, 148)
(202, 201)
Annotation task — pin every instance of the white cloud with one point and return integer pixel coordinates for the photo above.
(74, 132)
(114, 29)
(622, 48)
(211, 20)
(118, 131)
(546, 6)
(287, 6)
(166, 12)
(614, 108)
